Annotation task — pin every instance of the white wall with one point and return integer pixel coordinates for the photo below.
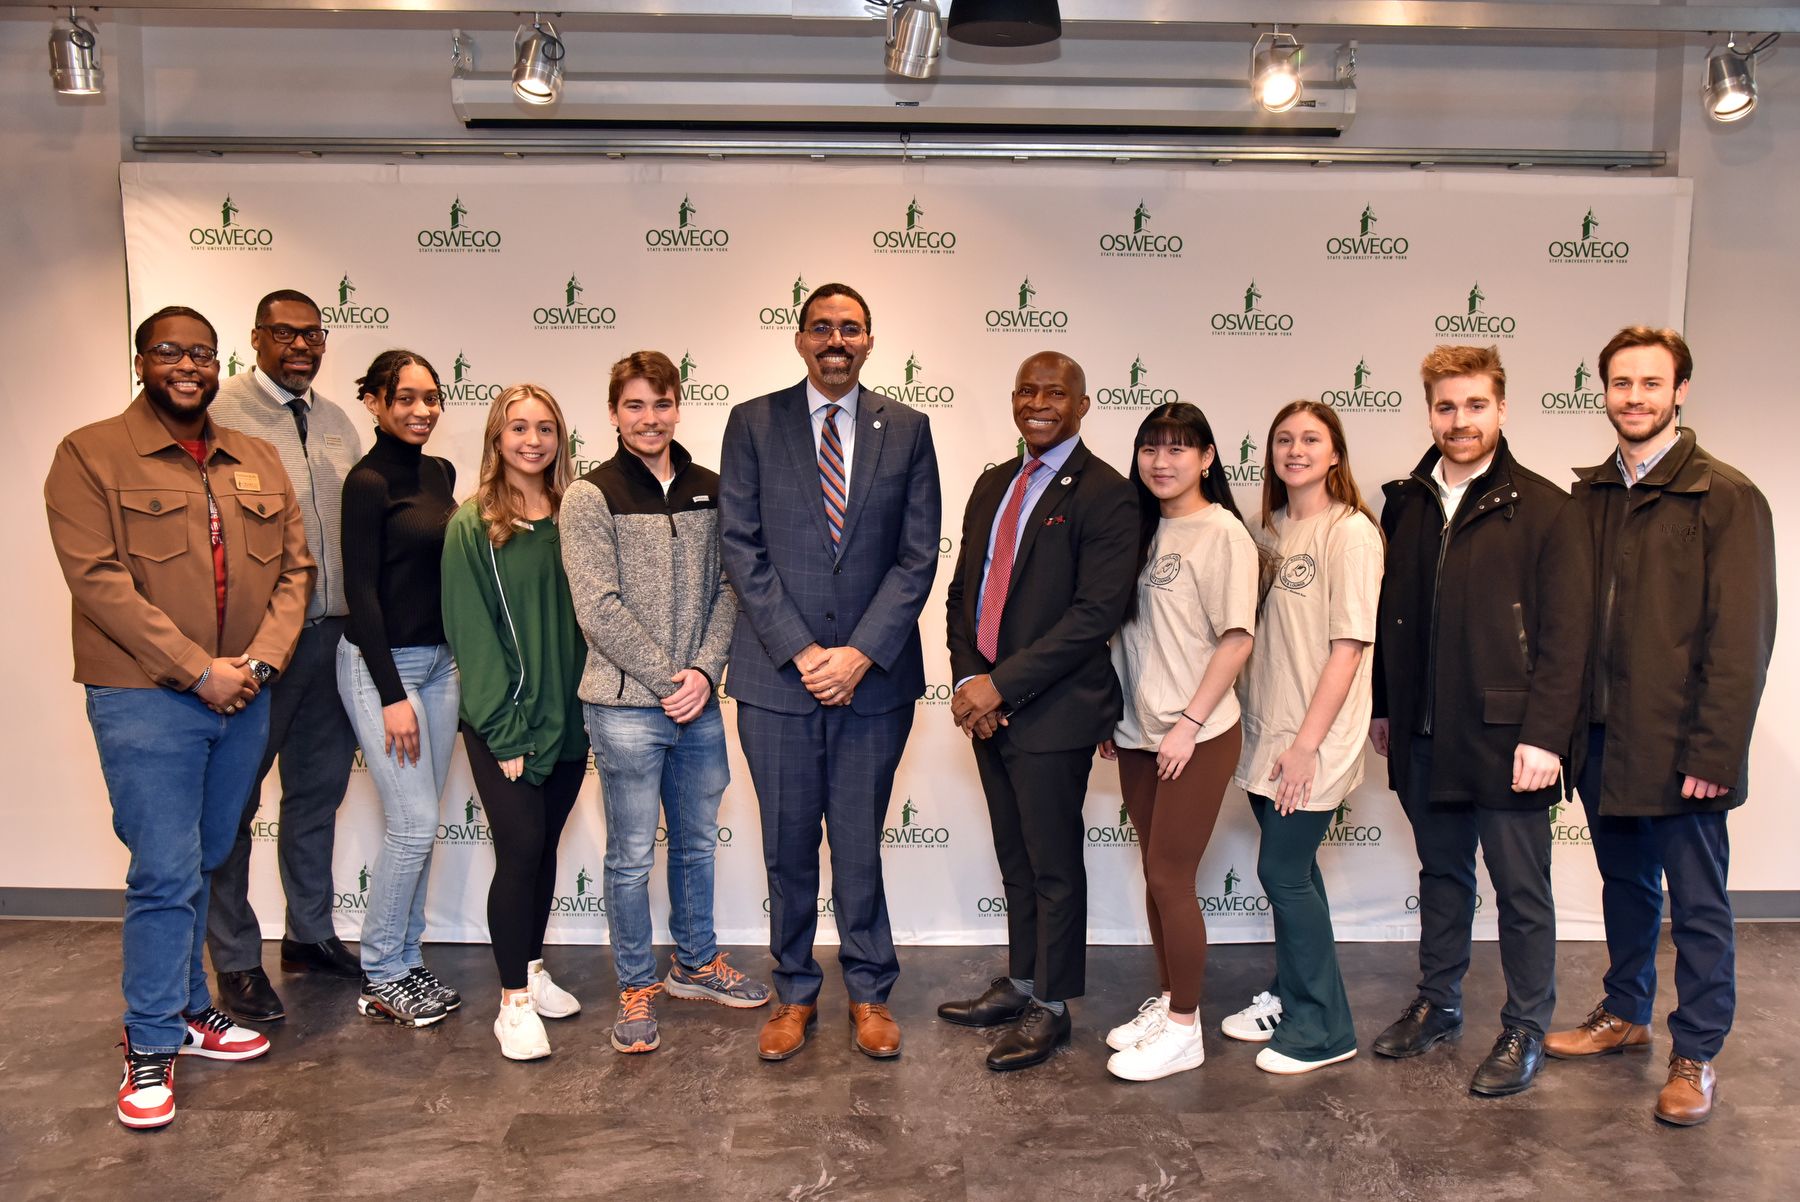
(63, 323)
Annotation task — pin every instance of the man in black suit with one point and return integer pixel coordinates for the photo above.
(1049, 550)
(829, 519)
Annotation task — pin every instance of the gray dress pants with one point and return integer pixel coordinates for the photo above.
(311, 733)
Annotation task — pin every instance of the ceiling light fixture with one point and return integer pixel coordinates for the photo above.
(1275, 71)
(537, 62)
(75, 57)
(1729, 90)
(1004, 22)
(915, 38)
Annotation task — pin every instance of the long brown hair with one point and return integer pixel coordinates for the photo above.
(1340, 485)
(501, 505)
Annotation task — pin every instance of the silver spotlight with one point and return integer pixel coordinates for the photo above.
(915, 38)
(537, 62)
(75, 57)
(1729, 90)
(1275, 71)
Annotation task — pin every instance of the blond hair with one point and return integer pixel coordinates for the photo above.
(501, 505)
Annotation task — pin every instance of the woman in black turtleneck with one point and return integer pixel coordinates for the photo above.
(395, 672)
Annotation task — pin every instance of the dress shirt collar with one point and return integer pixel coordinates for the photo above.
(276, 392)
(1643, 469)
(1446, 488)
(1056, 456)
(816, 400)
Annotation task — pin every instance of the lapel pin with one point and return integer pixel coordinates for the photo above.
(1068, 479)
(878, 425)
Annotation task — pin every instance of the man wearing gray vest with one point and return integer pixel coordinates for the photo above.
(308, 729)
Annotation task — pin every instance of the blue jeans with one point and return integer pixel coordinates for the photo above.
(1634, 855)
(645, 756)
(395, 921)
(177, 774)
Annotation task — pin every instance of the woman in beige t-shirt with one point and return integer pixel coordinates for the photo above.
(1306, 704)
(1185, 638)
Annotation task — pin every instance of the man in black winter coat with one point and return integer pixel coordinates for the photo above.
(1480, 658)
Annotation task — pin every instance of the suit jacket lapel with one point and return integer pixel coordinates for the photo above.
(1060, 484)
(796, 428)
(870, 431)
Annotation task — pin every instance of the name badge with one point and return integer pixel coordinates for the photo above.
(334, 442)
(702, 497)
(247, 482)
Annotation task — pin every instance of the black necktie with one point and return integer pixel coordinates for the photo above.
(299, 408)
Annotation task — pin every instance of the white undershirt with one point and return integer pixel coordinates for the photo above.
(1452, 495)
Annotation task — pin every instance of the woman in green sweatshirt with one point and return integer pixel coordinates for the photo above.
(511, 626)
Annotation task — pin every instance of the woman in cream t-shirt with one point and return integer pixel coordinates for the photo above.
(1306, 704)
(1185, 638)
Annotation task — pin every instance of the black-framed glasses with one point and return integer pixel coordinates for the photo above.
(822, 331)
(312, 335)
(171, 353)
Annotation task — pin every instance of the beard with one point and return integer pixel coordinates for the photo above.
(181, 411)
(297, 384)
(836, 370)
(1483, 448)
(1667, 420)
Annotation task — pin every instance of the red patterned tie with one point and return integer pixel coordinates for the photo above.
(987, 634)
(831, 474)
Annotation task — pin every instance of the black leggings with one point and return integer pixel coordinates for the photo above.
(526, 821)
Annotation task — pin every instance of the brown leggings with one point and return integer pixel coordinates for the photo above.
(1174, 821)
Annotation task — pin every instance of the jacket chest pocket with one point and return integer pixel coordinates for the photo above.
(156, 524)
(262, 514)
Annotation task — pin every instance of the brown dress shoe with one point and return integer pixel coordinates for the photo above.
(785, 1032)
(1601, 1032)
(877, 1034)
(1687, 1099)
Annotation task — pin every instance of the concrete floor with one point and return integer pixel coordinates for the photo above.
(345, 1107)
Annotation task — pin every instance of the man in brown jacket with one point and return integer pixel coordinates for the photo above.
(1685, 625)
(186, 558)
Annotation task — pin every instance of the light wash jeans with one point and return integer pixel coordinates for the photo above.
(177, 774)
(395, 921)
(644, 757)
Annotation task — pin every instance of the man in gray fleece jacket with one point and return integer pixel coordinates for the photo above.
(640, 539)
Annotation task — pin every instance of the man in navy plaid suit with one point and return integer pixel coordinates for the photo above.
(829, 513)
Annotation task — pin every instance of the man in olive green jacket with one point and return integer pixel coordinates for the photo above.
(1685, 549)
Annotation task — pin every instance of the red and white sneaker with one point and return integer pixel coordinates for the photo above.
(147, 1094)
(211, 1034)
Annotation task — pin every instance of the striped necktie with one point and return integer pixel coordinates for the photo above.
(832, 474)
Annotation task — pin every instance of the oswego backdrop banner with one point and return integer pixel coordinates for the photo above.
(1236, 291)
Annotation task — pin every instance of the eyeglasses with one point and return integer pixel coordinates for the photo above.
(170, 353)
(286, 334)
(822, 332)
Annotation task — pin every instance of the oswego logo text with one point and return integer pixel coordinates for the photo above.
(1122, 835)
(695, 392)
(571, 314)
(915, 238)
(1231, 901)
(229, 235)
(914, 834)
(1346, 833)
(1134, 397)
(1141, 243)
(785, 317)
(917, 393)
(1356, 398)
(1367, 244)
(1244, 473)
(1579, 399)
(1253, 320)
(1028, 318)
(348, 316)
(462, 388)
(1476, 320)
(460, 237)
(1589, 249)
(687, 234)
(587, 898)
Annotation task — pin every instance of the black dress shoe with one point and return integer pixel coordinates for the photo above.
(249, 996)
(1000, 1004)
(1422, 1025)
(1032, 1039)
(328, 956)
(1511, 1066)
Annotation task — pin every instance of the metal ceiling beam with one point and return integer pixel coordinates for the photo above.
(898, 147)
(1339, 14)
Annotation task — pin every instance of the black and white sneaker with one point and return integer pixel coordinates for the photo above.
(1256, 1022)
(435, 989)
(403, 1001)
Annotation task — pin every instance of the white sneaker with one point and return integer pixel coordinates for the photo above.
(550, 999)
(520, 1030)
(1120, 1038)
(1167, 1048)
(1271, 1061)
(1256, 1022)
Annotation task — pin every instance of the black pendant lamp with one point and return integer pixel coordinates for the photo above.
(1004, 22)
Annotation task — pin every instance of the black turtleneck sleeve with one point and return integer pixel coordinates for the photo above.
(397, 503)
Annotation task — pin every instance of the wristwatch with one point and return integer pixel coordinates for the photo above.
(260, 670)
